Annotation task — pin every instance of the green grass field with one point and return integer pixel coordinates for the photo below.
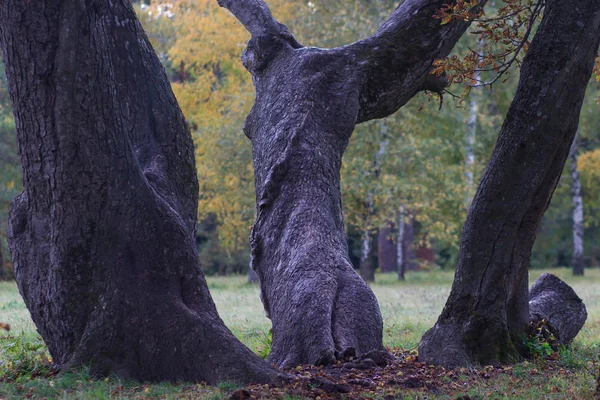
(409, 308)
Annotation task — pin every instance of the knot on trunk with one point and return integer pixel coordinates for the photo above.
(261, 50)
(435, 83)
(553, 301)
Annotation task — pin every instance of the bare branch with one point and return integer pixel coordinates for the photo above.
(256, 17)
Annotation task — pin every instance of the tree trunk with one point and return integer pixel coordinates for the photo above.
(386, 248)
(400, 251)
(102, 235)
(470, 142)
(1, 262)
(410, 255)
(556, 303)
(578, 262)
(487, 312)
(367, 270)
(308, 101)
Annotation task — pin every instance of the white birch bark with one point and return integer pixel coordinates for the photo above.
(578, 265)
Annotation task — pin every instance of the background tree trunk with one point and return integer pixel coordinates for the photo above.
(386, 248)
(1, 262)
(102, 235)
(367, 269)
(487, 312)
(400, 250)
(472, 133)
(578, 261)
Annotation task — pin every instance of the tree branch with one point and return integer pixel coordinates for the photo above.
(256, 17)
(397, 59)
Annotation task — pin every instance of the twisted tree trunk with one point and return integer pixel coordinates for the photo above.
(102, 235)
(487, 312)
(308, 101)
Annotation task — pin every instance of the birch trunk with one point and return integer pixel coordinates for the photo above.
(578, 261)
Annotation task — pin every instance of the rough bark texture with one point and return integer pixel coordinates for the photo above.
(308, 101)
(386, 248)
(102, 236)
(577, 198)
(487, 312)
(554, 301)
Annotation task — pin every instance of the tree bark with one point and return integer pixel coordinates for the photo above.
(487, 312)
(102, 235)
(578, 261)
(386, 248)
(555, 302)
(308, 101)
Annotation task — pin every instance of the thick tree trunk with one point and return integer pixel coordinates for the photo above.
(487, 312)
(553, 301)
(308, 101)
(386, 248)
(578, 262)
(102, 236)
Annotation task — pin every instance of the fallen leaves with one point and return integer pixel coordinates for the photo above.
(359, 379)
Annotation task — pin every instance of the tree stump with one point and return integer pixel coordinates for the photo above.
(554, 301)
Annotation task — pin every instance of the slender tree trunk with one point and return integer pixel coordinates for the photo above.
(487, 312)
(308, 101)
(102, 235)
(578, 262)
(367, 270)
(1, 262)
(386, 248)
(410, 255)
(470, 140)
(400, 252)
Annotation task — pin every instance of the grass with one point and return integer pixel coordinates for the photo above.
(409, 308)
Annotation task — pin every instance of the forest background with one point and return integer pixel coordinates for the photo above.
(407, 181)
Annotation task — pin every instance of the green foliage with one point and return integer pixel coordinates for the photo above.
(265, 349)
(23, 358)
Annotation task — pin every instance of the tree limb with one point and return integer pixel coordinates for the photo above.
(396, 60)
(256, 17)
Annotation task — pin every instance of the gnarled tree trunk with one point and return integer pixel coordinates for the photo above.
(308, 101)
(102, 236)
(487, 312)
